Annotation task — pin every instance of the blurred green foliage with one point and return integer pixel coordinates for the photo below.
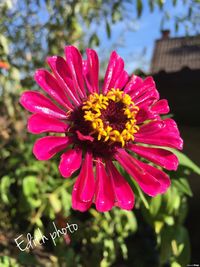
(32, 193)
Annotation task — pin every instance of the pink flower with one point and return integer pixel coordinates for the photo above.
(100, 126)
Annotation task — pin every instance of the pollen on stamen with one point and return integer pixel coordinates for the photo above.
(112, 116)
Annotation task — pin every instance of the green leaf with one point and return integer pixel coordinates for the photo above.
(55, 202)
(29, 186)
(176, 26)
(158, 225)
(175, 244)
(183, 210)
(186, 161)
(155, 204)
(151, 5)
(31, 192)
(141, 194)
(183, 186)
(116, 16)
(4, 44)
(160, 3)
(183, 242)
(190, 11)
(6, 181)
(108, 29)
(94, 40)
(169, 200)
(15, 74)
(169, 220)
(175, 264)
(165, 249)
(65, 199)
(139, 7)
(7, 261)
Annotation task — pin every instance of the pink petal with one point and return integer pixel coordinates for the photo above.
(167, 134)
(63, 75)
(143, 94)
(151, 180)
(160, 107)
(147, 93)
(157, 174)
(134, 85)
(148, 111)
(105, 197)
(88, 183)
(114, 69)
(84, 137)
(74, 61)
(145, 113)
(123, 192)
(151, 128)
(77, 204)
(38, 123)
(49, 84)
(46, 147)
(159, 156)
(38, 103)
(83, 190)
(87, 76)
(91, 71)
(70, 162)
(147, 103)
(121, 81)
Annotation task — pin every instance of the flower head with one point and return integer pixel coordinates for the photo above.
(100, 126)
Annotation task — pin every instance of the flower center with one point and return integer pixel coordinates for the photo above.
(112, 116)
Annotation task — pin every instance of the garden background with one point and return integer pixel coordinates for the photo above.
(160, 231)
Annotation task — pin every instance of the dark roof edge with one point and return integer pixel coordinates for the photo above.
(183, 70)
(178, 38)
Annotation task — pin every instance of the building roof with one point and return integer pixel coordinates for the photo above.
(174, 54)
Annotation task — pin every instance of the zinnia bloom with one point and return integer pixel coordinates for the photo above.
(100, 126)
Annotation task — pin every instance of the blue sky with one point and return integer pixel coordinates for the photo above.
(136, 46)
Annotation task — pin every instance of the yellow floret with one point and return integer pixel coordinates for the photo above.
(97, 102)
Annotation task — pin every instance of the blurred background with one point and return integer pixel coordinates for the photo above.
(155, 37)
